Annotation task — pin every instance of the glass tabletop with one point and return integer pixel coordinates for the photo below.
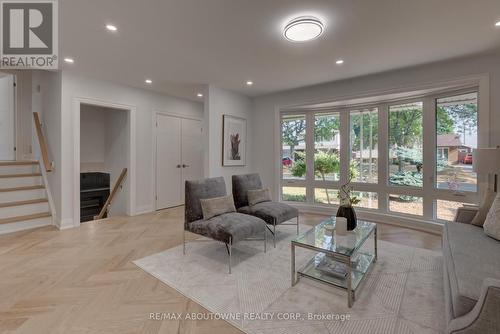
(322, 237)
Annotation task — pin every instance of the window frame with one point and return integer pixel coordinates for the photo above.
(382, 188)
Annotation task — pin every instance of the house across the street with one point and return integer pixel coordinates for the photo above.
(451, 149)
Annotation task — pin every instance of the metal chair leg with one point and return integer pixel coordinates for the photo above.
(297, 225)
(274, 234)
(184, 242)
(265, 238)
(229, 246)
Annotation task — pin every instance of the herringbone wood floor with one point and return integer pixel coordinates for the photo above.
(83, 280)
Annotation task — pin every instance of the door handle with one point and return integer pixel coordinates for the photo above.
(178, 166)
(184, 166)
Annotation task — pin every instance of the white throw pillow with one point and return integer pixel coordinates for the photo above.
(258, 196)
(212, 207)
(492, 223)
(484, 208)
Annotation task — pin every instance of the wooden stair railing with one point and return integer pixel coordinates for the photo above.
(107, 205)
(43, 145)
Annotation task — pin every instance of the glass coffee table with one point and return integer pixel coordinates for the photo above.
(341, 260)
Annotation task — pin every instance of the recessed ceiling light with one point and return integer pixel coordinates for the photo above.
(199, 95)
(497, 24)
(148, 81)
(69, 60)
(303, 28)
(339, 62)
(249, 83)
(111, 27)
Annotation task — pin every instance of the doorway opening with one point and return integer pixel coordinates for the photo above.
(7, 117)
(104, 155)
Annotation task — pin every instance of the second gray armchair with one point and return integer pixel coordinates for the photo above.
(273, 213)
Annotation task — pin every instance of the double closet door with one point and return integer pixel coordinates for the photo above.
(179, 157)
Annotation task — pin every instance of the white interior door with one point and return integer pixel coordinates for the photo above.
(7, 117)
(192, 154)
(168, 162)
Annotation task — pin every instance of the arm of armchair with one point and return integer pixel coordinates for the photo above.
(483, 318)
(466, 214)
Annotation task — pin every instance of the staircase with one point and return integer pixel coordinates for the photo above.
(23, 198)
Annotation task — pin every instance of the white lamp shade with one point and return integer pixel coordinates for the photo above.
(486, 160)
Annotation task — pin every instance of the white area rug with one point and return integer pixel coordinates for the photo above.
(403, 293)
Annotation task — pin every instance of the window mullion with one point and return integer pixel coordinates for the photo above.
(383, 156)
(429, 156)
(345, 147)
(310, 149)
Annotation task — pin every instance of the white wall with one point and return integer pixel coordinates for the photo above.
(264, 154)
(221, 102)
(71, 87)
(48, 102)
(92, 137)
(116, 155)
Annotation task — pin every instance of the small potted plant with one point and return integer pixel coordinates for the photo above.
(347, 200)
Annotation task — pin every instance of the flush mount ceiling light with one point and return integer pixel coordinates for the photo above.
(249, 83)
(199, 95)
(497, 24)
(339, 62)
(148, 81)
(111, 27)
(69, 60)
(303, 29)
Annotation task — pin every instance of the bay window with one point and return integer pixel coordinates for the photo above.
(407, 157)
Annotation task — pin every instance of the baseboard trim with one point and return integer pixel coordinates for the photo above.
(63, 224)
(378, 217)
(140, 210)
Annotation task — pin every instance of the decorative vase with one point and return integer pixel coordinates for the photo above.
(347, 211)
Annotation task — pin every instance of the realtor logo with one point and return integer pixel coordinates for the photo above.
(29, 34)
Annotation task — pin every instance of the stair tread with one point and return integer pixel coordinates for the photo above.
(26, 202)
(25, 217)
(18, 163)
(6, 176)
(22, 188)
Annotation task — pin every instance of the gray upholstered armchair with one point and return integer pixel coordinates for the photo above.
(228, 228)
(273, 213)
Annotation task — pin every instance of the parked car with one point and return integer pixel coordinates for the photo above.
(467, 159)
(286, 161)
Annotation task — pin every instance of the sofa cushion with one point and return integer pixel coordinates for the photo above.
(492, 222)
(234, 225)
(271, 211)
(485, 206)
(468, 255)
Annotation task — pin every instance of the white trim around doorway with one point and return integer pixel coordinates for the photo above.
(77, 102)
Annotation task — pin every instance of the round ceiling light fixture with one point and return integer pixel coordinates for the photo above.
(497, 24)
(111, 27)
(303, 29)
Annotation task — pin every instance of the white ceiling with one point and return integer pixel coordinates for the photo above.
(183, 44)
